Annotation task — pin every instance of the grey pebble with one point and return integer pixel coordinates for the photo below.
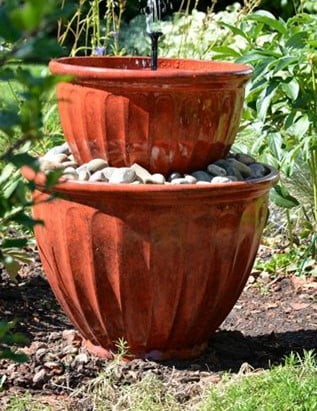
(245, 158)
(233, 171)
(201, 176)
(233, 178)
(123, 175)
(244, 170)
(96, 164)
(258, 170)
(216, 170)
(173, 176)
(222, 163)
(39, 376)
(203, 182)
(61, 149)
(230, 165)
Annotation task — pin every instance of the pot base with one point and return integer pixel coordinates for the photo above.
(153, 355)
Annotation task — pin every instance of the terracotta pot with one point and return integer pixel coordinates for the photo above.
(160, 266)
(181, 117)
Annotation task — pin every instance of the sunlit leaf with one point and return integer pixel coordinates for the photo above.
(269, 20)
(282, 198)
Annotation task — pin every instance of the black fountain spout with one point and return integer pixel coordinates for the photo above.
(154, 36)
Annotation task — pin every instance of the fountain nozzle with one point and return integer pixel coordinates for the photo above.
(154, 36)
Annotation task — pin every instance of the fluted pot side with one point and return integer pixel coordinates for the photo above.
(181, 117)
(163, 277)
(137, 127)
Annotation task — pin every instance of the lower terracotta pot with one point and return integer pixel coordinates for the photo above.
(159, 266)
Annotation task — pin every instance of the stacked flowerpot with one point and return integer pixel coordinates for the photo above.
(158, 265)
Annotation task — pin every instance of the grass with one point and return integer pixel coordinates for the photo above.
(292, 387)
(288, 387)
(25, 403)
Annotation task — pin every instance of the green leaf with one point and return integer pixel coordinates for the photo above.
(291, 89)
(10, 355)
(226, 51)
(9, 119)
(26, 220)
(262, 67)
(53, 177)
(23, 159)
(300, 128)
(6, 173)
(14, 243)
(282, 198)
(8, 32)
(269, 20)
(297, 41)
(10, 187)
(284, 62)
(236, 30)
(12, 266)
(291, 119)
(257, 55)
(265, 99)
(40, 49)
(275, 142)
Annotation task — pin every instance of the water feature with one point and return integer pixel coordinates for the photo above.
(153, 15)
(159, 265)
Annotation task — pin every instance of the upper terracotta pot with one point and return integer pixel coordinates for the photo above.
(180, 117)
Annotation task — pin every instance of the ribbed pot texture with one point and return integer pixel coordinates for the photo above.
(180, 117)
(160, 266)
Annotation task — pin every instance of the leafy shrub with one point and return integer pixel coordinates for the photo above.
(23, 38)
(281, 104)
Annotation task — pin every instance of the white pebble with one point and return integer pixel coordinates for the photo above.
(220, 180)
(123, 175)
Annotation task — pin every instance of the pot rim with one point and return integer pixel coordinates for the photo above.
(169, 68)
(85, 187)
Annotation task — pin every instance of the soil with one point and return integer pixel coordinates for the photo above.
(272, 318)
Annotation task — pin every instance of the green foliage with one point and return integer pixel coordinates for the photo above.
(288, 387)
(9, 338)
(21, 117)
(23, 37)
(281, 101)
(297, 261)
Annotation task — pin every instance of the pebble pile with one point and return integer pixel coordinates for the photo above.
(235, 167)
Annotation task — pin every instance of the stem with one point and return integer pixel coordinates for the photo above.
(313, 150)
(290, 228)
